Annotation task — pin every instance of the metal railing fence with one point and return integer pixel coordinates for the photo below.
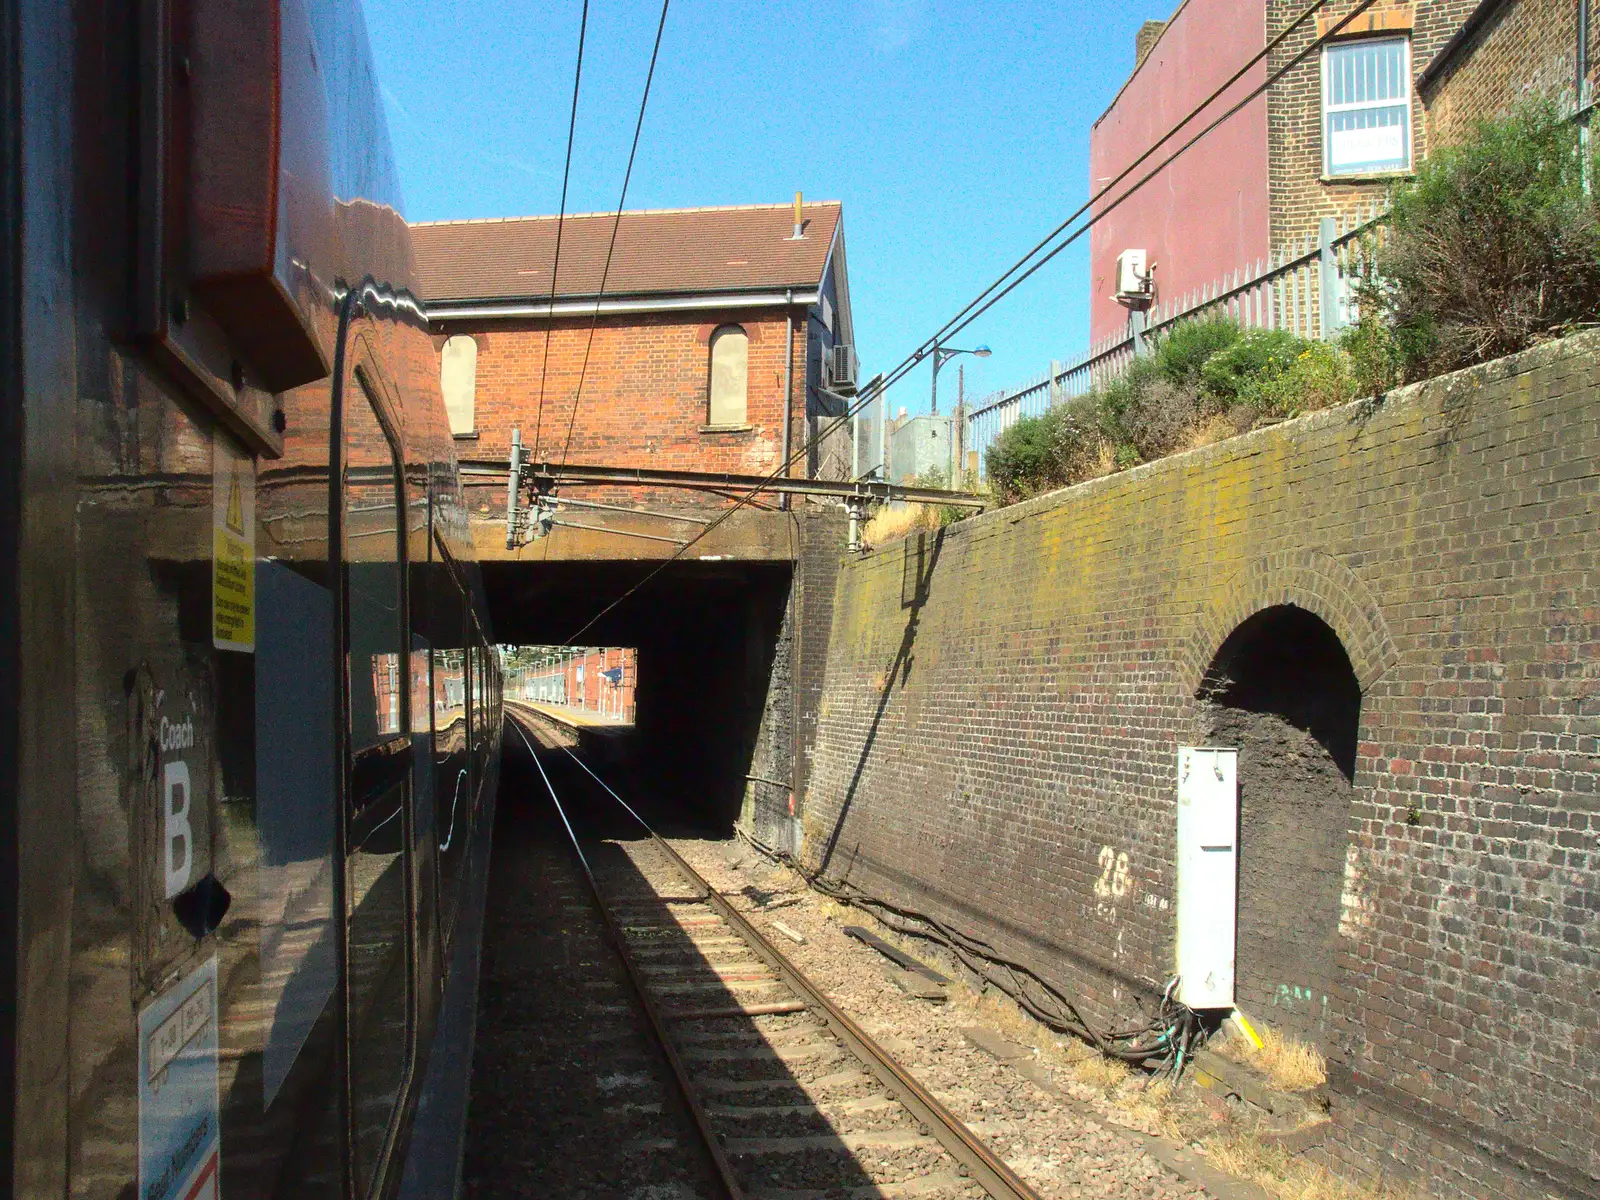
(1306, 286)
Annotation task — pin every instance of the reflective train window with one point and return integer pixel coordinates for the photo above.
(452, 784)
(377, 967)
(480, 733)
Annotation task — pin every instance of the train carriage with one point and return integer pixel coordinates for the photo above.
(251, 709)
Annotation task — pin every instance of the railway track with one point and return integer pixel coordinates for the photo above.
(789, 1098)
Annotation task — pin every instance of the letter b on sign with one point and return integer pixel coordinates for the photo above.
(179, 839)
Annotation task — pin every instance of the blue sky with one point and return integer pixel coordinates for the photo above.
(955, 135)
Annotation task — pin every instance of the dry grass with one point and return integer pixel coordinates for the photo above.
(1291, 1066)
(1107, 1074)
(834, 911)
(1082, 1063)
(891, 523)
(1207, 433)
(1290, 1178)
(1105, 462)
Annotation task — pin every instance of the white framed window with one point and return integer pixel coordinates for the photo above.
(458, 380)
(1366, 106)
(730, 376)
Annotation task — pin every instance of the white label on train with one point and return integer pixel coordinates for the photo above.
(178, 837)
(180, 1142)
(233, 547)
(176, 735)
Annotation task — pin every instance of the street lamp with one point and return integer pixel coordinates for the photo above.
(942, 355)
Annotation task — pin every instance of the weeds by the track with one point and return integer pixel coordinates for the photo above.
(1291, 1065)
(1289, 1178)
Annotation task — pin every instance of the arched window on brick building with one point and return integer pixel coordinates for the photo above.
(458, 380)
(730, 376)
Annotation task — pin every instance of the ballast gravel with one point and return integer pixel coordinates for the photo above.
(1063, 1146)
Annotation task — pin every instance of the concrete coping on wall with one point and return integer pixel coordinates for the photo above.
(1308, 577)
(1452, 388)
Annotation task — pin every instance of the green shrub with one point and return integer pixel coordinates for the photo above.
(1079, 438)
(1182, 353)
(1375, 363)
(1493, 247)
(1155, 406)
(1022, 459)
(1145, 415)
(1319, 377)
(1232, 375)
(1114, 399)
(1056, 448)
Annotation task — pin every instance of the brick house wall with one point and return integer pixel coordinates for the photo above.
(643, 401)
(1004, 701)
(1199, 223)
(1525, 48)
(1300, 195)
(662, 281)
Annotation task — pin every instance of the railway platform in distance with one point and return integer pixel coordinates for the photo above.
(576, 718)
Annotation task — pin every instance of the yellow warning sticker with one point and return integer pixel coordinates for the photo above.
(233, 547)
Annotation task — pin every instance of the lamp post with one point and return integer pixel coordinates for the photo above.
(942, 355)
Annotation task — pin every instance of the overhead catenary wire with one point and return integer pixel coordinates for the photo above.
(999, 289)
(616, 223)
(1272, 44)
(990, 296)
(561, 216)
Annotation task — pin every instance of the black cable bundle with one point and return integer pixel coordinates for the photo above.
(1169, 1038)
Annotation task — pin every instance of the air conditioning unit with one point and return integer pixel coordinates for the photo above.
(839, 368)
(1134, 283)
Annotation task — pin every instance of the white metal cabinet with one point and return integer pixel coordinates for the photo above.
(1208, 827)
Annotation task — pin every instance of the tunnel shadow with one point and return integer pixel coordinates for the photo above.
(752, 1077)
(1281, 691)
(707, 635)
(921, 557)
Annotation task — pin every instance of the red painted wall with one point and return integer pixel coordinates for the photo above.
(1207, 213)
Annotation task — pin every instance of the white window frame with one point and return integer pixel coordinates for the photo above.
(466, 406)
(1328, 110)
(725, 420)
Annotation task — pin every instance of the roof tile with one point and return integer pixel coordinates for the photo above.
(658, 251)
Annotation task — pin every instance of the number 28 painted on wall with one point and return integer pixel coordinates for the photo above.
(1113, 881)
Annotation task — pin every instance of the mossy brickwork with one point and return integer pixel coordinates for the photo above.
(1004, 699)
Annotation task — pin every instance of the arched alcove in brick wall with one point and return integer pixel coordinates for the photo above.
(1308, 578)
(1282, 690)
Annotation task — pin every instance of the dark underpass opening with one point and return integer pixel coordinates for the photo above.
(1282, 691)
(710, 699)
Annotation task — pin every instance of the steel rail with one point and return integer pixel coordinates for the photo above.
(980, 1163)
(680, 1073)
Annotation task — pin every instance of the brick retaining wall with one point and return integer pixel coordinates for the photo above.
(794, 689)
(1003, 702)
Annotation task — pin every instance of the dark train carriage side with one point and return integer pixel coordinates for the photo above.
(251, 715)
